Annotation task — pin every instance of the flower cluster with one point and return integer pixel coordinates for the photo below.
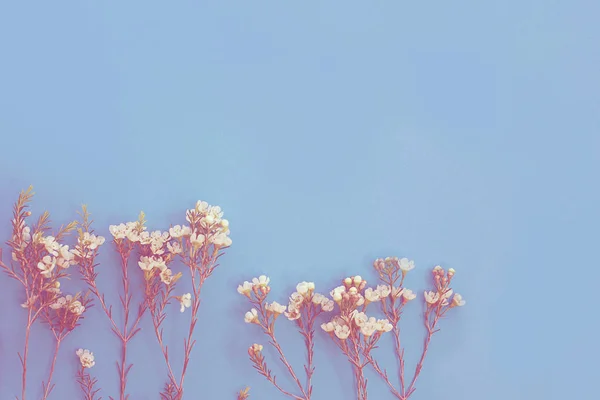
(354, 331)
(86, 358)
(197, 245)
(303, 308)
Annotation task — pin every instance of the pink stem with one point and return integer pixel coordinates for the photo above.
(48, 386)
(25, 353)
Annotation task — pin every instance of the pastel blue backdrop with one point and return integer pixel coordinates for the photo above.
(463, 133)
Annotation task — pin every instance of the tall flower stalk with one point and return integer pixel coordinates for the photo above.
(198, 246)
(38, 262)
(87, 267)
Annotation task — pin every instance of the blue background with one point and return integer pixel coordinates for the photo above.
(463, 133)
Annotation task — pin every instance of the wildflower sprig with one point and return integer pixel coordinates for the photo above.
(38, 262)
(303, 308)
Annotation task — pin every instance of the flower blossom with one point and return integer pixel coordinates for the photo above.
(431, 297)
(174, 247)
(178, 231)
(47, 266)
(185, 301)
(406, 265)
(304, 287)
(342, 331)
(275, 308)
(261, 281)
(458, 301)
(86, 358)
(166, 276)
(408, 295)
(251, 316)
(245, 288)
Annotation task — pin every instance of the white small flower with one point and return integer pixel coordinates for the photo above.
(166, 276)
(372, 295)
(51, 245)
(431, 297)
(360, 318)
(383, 325)
(384, 290)
(118, 231)
(65, 257)
(26, 234)
(408, 295)
(197, 239)
(318, 298)
(406, 265)
(458, 301)
(59, 303)
(245, 288)
(293, 313)
(336, 293)
(296, 299)
(185, 301)
(176, 231)
(262, 280)
(86, 358)
(327, 305)
(251, 316)
(145, 263)
(76, 307)
(304, 287)
(328, 327)
(275, 308)
(47, 266)
(174, 247)
(342, 331)
(369, 327)
(221, 239)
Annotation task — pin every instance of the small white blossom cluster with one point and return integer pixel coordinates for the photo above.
(351, 295)
(207, 225)
(402, 264)
(86, 358)
(87, 245)
(442, 294)
(185, 301)
(359, 321)
(260, 286)
(69, 303)
(58, 255)
(303, 296)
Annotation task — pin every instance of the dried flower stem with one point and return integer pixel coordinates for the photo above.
(157, 312)
(87, 383)
(127, 332)
(269, 330)
(200, 269)
(47, 388)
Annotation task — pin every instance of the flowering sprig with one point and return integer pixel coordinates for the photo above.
(439, 301)
(198, 246)
(38, 262)
(352, 330)
(88, 244)
(85, 380)
(303, 308)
